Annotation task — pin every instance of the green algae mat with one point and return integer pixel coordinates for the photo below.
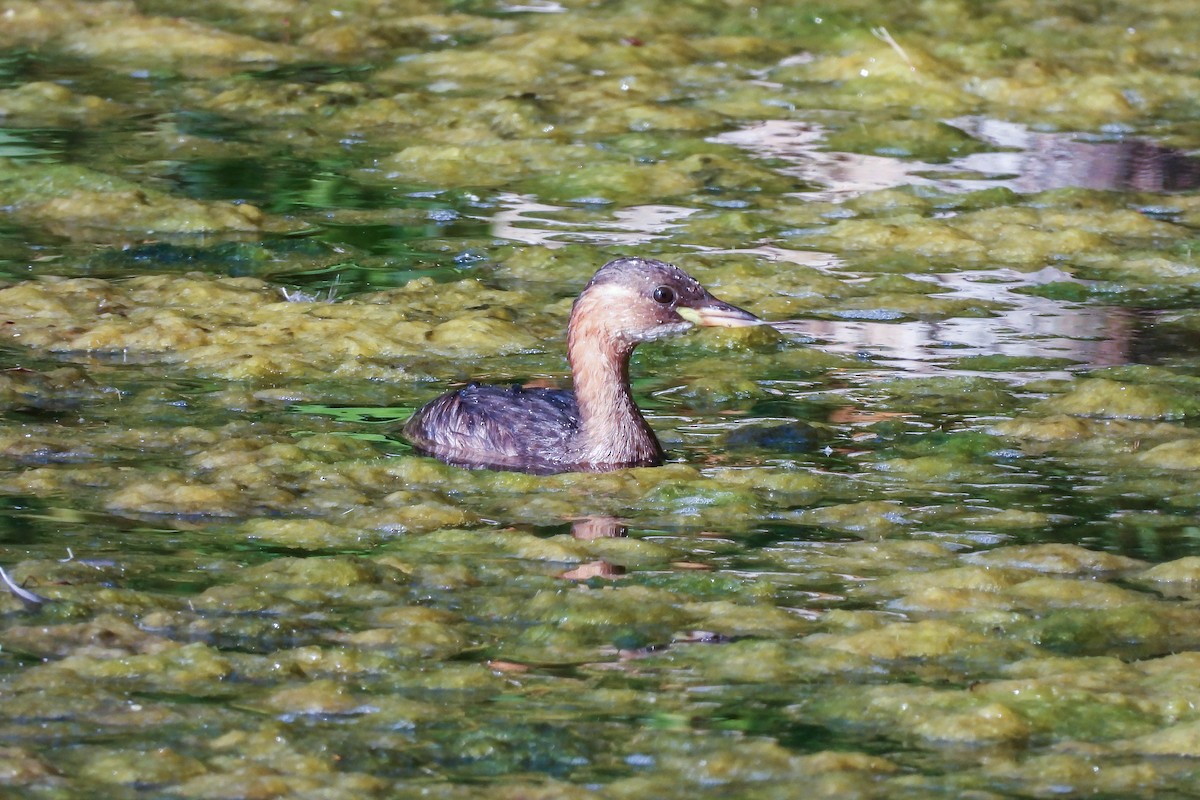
(936, 533)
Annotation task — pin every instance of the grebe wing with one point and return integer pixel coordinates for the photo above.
(532, 430)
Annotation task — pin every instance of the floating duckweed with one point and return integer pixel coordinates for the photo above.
(1099, 631)
(82, 199)
(909, 235)
(324, 573)
(321, 696)
(511, 544)
(944, 394)
(1100, 397)
(1183, 570)
(1002, 363)
(1046, 774)
(871, 518)
(47, 104)
(1066, 559)
(714, 392)
(408, 514)
(175, 667)
(994, 722)
(942, 600)
(731, 619)
(158, 767)
(1183, 454)
(23, 767)
(483, 164)
(925, 639)
(184, 498)
(175, 41)
(105, 636)
(759, 338)
(939, 468)
(931, 714)
(600, 185)
(628, 552)
(24, 448)
(1061, 427)
(1051, 593)
(480, 335)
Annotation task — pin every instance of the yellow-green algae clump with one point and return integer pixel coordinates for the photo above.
(243, 328)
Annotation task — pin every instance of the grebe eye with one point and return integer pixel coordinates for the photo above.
(664, 295)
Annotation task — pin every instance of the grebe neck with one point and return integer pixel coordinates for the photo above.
(613, 430)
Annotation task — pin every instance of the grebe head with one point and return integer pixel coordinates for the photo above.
(633, 300)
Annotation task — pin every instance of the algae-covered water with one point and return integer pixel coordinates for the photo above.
(934, 534)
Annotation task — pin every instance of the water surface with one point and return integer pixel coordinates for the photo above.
(933, 533)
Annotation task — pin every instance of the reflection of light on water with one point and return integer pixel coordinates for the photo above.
(922, 347)
(532, 6)
(1035, 161)
(1028, 327)
(809, 258)
(522, 219)
(841, 174)
(1032, 327)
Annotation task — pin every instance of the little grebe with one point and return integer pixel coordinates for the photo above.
(597, 427)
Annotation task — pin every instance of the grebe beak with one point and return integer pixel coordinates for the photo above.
(715, 313)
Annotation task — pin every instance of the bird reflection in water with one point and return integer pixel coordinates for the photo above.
(588, 529)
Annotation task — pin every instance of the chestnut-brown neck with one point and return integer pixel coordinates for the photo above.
(613, 429)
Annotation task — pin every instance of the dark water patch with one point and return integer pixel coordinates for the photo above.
(406, 236)
(22, 521)
(1099, 521)
(21, 247)
(793, 437)
(771, 533)
(313, 73)
(41, 145)
(80, 75)
(1160, 340)
(345, 279)
(762, 713)
(13, 65)
(357, 415)
(48, 528)
(208, 125)
(235, 259)
(280, 185)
